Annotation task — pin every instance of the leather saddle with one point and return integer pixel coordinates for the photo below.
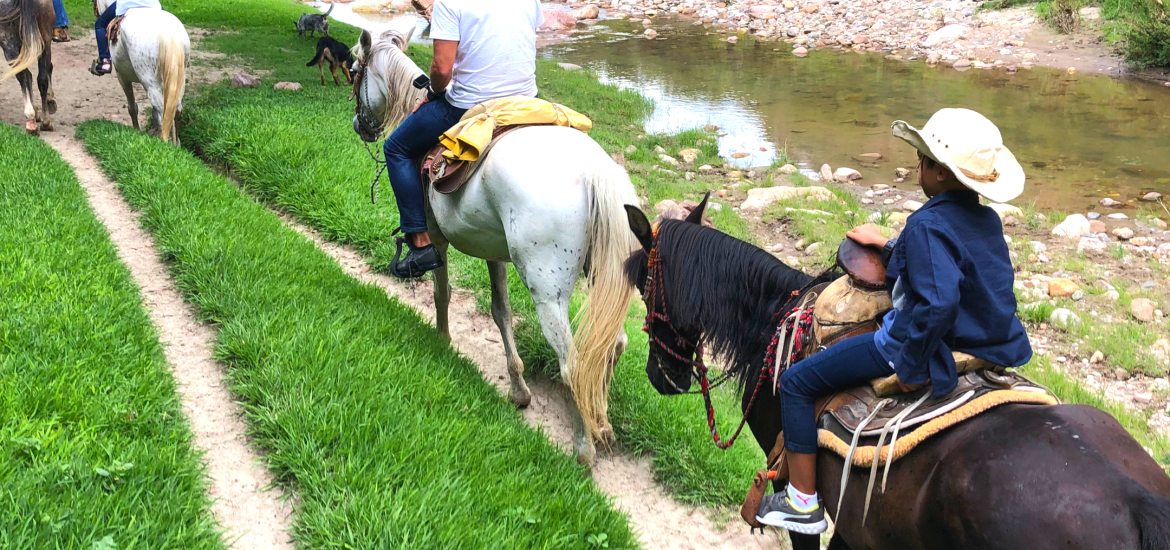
(114, 28)
(447, 175)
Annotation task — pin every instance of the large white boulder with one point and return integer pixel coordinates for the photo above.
(1072, 227)
(760, 197)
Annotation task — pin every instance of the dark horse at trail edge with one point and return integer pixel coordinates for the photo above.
(1018, 476)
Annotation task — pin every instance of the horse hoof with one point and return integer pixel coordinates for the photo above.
(31, 127)
(586, 458)
(607, 435)
(521, 398)
(47, 126)
(52, 104)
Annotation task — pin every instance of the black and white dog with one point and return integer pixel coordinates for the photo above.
(333, 51)
(310, 22)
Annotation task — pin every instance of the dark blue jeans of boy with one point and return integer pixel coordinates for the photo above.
(418, 133)
(62, 17)
(99, 30)
(850, 363)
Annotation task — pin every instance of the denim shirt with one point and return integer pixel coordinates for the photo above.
(951, 281)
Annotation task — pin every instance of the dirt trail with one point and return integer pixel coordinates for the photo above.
(246, 502)
(256, 516)
(659, 521)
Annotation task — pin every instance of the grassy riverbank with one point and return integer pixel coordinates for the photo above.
(385, 435)
(95, 452)
(1140, 28)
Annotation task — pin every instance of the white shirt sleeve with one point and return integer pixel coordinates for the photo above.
(444, 21)
(539, 15)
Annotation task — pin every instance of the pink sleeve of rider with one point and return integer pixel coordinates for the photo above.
(445, 21)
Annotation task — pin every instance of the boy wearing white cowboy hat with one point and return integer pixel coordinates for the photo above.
(950, 279)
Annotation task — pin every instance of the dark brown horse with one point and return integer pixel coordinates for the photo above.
(1019, 476)
(26, 33)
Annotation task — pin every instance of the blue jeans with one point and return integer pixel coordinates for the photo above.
(850, 363)
(99, 30)
(418, 133)
(62, 18)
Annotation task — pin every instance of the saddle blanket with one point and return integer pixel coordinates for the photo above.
(468, 139)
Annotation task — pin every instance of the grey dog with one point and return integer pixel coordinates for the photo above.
(318, 22)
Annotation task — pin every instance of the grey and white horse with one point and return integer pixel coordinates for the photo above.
(548, 199)
(152, 49)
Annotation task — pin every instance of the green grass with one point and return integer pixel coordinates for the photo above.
(386, 437)
(297, 152)
(94, 449)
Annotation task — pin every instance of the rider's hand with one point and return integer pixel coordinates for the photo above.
(420, 104)
(867, 235)
(907, 388)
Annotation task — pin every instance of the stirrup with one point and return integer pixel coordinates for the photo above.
(96, 68)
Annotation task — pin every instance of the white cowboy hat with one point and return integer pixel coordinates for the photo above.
(971, 147)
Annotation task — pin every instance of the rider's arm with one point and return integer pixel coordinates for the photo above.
(443, 64)
(931, 279)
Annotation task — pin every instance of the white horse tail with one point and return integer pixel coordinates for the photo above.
(31, 41)
(607, 301)
(172, 68)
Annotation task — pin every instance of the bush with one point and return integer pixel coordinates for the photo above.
(1148, 44)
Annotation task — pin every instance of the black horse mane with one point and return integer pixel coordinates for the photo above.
(725, 288)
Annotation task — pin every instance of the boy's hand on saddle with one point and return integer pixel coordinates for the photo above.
(867, 235)
(907, 388)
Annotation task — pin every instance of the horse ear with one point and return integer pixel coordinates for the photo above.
(696, 215)
(641, 227)
(367, 41)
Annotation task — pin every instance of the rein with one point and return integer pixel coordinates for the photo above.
(798, 321)
(364, 120)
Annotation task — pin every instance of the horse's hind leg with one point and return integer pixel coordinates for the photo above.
(442, 292)
(131, 104)
(619, 348)
(155, 95)
(26, 91)
(45, 86)
(520, 395)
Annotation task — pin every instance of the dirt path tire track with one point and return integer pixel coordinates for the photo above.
(245, 500)
(659, 521)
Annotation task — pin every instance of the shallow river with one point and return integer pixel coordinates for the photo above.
(1079, 137)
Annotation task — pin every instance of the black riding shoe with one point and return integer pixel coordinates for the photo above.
(101, 67)
(777, 511)
(418, 261)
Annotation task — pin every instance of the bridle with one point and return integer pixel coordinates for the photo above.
(366, 121)
(797, 321)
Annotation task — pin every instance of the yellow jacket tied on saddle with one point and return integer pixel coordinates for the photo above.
(467, 139)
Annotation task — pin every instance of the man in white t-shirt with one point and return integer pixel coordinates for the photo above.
(483, 50)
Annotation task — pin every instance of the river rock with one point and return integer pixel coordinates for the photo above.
(1062, 318)
(1110, 203)
(844, 174)
(826, 173)
(569, 66)
(286, 86)
(1097, 357)
(1072, 227)
(1005, 210)
(631, 149)
(650, 33)
(1096, 226)
(665, 204)
(901, 172)
(813, 248)
(1148, 285)
(1141, 241)
(949, 33)
(1152, 196)
(242, 80)
(689, 155)
(1157, 222)
(1117, 216)
(800, 51)
(669, 160)
(810, 8)
(557, 20)
(1142, 309)
(911, 206)
(1060, 288)
(789, 169)
(1123, 233)
(1091, 246)
(961, 64)
(732, 39)
(590, 11)
(760, 197)
(1094, 215)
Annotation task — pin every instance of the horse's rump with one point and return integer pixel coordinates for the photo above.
(27, 15)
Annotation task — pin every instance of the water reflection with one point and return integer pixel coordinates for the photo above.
(1079, 137)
